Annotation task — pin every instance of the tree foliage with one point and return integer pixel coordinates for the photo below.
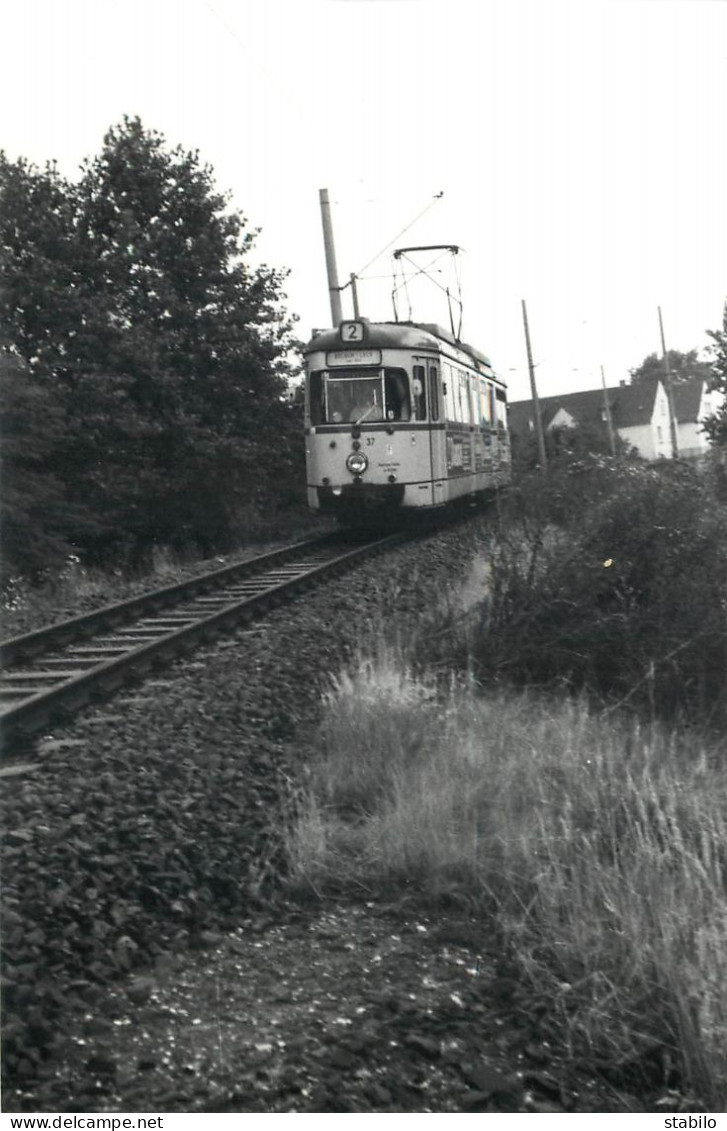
(36, 515)
(565, 446)
(716, 425)
(129, 297)
(683, 366)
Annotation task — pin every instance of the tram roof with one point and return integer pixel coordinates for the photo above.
(406, 335)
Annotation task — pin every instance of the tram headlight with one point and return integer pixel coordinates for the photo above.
(357, 463)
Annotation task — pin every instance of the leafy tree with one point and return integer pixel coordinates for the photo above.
(40, 276)
(563, 445)
(35, 513)
(683, 366)
(130, 295)
(716, 425)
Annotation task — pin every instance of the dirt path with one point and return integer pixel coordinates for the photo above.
(354, 1008)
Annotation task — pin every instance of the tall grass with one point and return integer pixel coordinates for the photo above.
(77, 587)
(597, 845)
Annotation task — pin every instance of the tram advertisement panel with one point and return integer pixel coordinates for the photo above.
(459, 453)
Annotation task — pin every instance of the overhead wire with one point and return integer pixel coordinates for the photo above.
(228, 28)
(432, 202)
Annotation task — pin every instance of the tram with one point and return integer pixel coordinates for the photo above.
(400, 416)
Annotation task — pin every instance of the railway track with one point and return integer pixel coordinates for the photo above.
(56, 671)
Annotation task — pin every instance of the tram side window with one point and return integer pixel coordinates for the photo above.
(466, 399)
(449, 377)
(484, 404)
(433, 397)
(462, 404)
(457, 394)
(501, 410)
(396, 384)
(419, 390)
(475, 400)
(493, 408)
(316, 404)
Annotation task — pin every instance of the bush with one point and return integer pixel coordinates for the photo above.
(612, 578)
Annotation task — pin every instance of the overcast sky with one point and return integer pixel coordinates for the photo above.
(579, 147)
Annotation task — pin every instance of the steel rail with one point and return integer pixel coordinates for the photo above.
(133, 649)
(19, 648)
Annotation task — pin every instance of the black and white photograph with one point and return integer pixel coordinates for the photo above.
(363, 502)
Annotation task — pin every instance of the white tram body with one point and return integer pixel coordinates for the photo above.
(400, 415)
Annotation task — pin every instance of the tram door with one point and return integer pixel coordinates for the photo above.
(437, 434)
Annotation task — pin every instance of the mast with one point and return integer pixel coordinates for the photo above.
(609, 420)
(534, 391)
(334, 289)
(669, 392)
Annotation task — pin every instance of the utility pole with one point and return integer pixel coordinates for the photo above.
(536, 402)
(333, 288)
(669, 393)
(609, 421)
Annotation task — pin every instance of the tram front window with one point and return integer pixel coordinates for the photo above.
(368, 400)
(354, 400)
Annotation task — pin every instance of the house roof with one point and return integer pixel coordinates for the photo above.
(630, 405)
(687, 399)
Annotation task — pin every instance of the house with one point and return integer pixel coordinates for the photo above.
(639, 413)
(693, 403)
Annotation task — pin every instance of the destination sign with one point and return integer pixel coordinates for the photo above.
(353, 357)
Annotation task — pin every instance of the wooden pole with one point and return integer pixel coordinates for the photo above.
(534, 391)
(669, 392)
(333, 288)
(609, 421)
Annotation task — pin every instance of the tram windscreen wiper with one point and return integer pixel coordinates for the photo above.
(369, 410)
